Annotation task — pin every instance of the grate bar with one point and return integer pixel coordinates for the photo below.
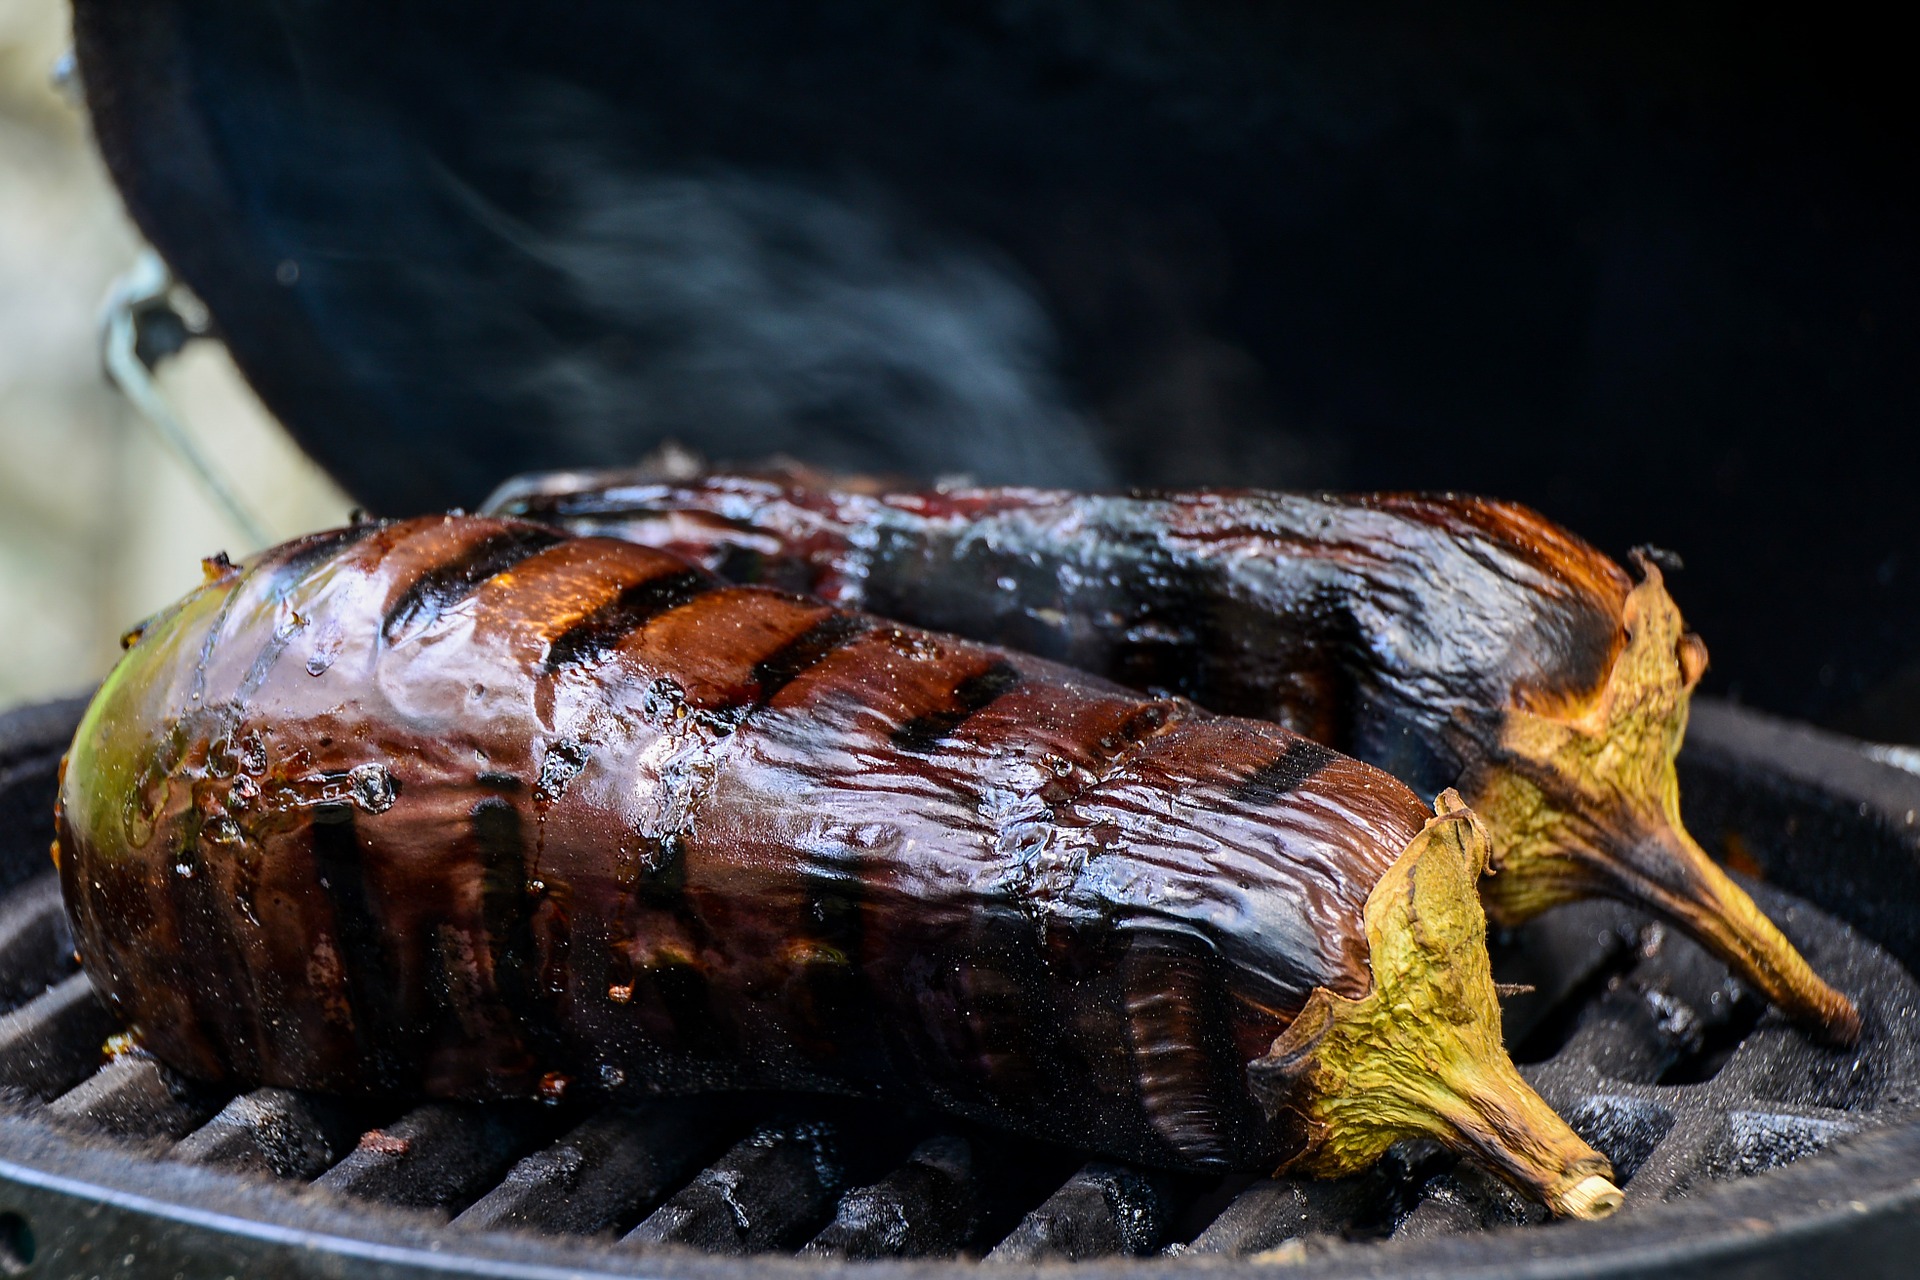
(133, 1096)
(1466, 1198)
(603, 1174)
(1679, 1075)
(1622, 1037)
(928, 1207)
(1561, 956)
(36, 949)
(276, 1131)
(771, 1190)
(1103, 1209)
(52, 1042)
(1276, 1210)
(439, 1156)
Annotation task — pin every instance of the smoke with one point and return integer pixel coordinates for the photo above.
(750, 315)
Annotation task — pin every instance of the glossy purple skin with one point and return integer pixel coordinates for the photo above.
(465, 808)
(1398, 628)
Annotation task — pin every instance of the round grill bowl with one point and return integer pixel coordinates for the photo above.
(1749, 1152)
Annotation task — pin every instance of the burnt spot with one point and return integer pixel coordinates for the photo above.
(603, 629)
(446, 584)
(561, 765)
(1269, 784)
(805, 651)
(971, 696)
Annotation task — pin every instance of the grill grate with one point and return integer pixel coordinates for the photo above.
(1652, 1053)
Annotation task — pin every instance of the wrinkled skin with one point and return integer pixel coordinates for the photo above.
(1453, 641)
(465, 808)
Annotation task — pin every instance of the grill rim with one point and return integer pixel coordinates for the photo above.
(1858, 1203)
(1865, 1193)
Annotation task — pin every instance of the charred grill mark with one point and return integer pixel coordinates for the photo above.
(305, 555)
(836, 990)
(499, 839)
(603, 629)
(807, 650)
(1006, 1030)
(660, 885)
(446, 584)
(217, 992)
(922, 734)
(1267, 785)
(382, 1031)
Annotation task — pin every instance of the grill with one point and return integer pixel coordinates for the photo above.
(1736, 1137)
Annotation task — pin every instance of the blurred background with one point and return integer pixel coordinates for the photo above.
(1654, 273)
(99, 524)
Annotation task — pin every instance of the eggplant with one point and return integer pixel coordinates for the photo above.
(469, 809)
(1453, 641)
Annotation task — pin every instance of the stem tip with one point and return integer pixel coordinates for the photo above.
(1590, 1198)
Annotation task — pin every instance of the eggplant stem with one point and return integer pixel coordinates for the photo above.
(1420, 1055)
(1584, 800)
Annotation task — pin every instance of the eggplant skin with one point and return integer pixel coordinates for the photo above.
(1399, 628)
(466, 808)
(1452, 641)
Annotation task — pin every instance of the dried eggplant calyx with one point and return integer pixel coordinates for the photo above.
(1587, 802)
(1420, 1054)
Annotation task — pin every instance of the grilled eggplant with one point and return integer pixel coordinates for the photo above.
(1453, 641)
(466, 808)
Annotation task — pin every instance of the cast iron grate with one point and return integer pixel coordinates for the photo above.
(1638, 1038)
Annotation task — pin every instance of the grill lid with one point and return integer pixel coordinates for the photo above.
(1075, 242)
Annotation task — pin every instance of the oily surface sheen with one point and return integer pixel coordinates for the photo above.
(1395, 627)
(467, 807)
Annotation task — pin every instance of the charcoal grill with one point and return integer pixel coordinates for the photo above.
(314, 172)
(1745, 1149)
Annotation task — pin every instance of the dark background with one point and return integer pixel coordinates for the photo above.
(1651, 270)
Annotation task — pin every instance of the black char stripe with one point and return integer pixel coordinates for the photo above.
(805, 651)
(446, 584)
(304, 555)
(970, 697)
(500, 839)
(1274, 779)
(381, 1029)
(604, 628)
(218, 988)
(296, 559)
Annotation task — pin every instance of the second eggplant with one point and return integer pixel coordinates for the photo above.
(1451, 640)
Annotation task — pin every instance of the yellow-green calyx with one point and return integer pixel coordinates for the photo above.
(1583, 799)
(1420, 1055)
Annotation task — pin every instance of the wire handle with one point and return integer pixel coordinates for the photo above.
(139, 328)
